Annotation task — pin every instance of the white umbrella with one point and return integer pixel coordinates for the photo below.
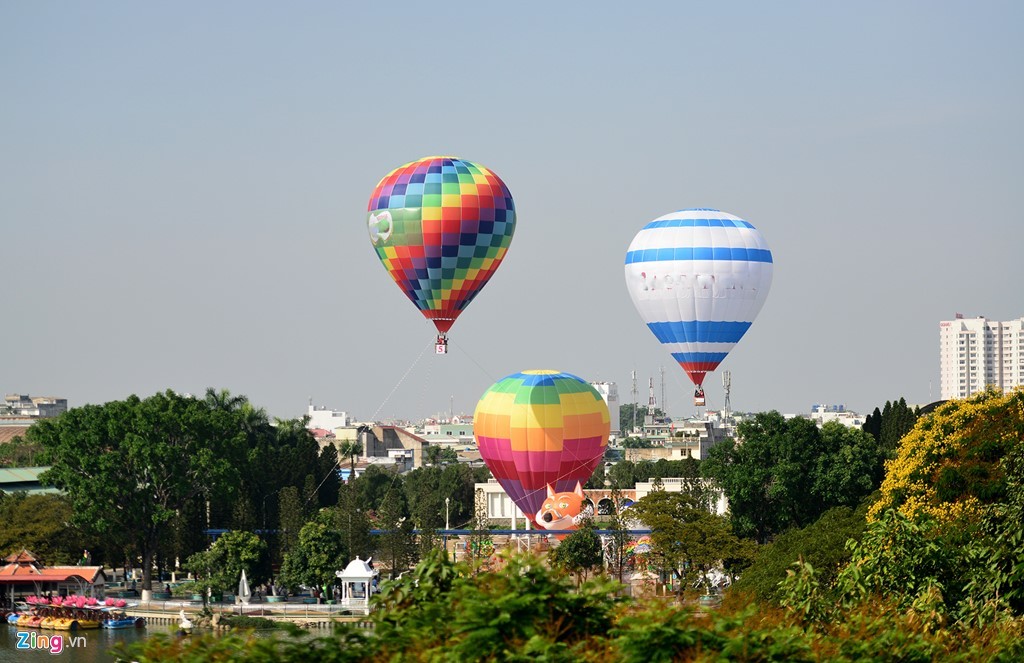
(243, 589)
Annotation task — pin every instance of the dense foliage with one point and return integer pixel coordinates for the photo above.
(20, 452)
(527, 610)
(889, 425)
(221, 566)
(823, 545)
(908, 586)
(40, 524)
(320, 552)
(950, 465)
(786, 473)
(130, 467)
(144, 480)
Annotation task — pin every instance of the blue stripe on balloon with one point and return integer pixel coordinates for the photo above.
(700, 253)
(697, 331)
(695, 357)
(699, 223)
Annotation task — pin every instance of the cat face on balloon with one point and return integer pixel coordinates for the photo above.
(564, 510)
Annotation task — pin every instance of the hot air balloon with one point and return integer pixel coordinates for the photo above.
(441, 226)
(541, 428)
(698, 277)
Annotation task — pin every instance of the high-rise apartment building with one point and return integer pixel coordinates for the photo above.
(975, 353)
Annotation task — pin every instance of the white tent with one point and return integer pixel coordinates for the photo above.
(243, 589)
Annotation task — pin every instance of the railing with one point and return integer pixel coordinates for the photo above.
(293, 609)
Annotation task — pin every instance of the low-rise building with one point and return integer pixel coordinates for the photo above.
(23, 575)
(502, 510)
(34, 407)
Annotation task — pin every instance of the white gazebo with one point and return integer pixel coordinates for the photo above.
(357, 584)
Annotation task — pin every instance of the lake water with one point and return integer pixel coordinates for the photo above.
(91, 646)
(96, 644)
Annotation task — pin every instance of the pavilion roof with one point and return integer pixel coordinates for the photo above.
(23, 567)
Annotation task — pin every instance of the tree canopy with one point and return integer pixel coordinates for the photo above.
(786, 472)
(951, 463)
(220, 567)
(319, 553)
(128, 467)
(579, 552)
(687, 538)
(40, 524)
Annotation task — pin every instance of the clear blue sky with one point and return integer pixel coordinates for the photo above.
(183, 190)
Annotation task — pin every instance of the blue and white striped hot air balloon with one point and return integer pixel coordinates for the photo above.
(698, 277)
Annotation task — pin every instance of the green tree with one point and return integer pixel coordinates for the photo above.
(40, 523)
(622, 475)
(902, 558)
(350, 449)
(317, 556)
(20, 452)
(375, 483)
(688, 539)
(530, 611)
(596, 480)
(787, 472)
(129, 466)
(220, 567)
(580, 552)
(440, 455)
(480, 543)
(823, 545)
(873, 425)
(352, 523)
(897, 420)
(425, 491)
(327, 473)
(850, 467)
(619, 536)
(291, 519)
(396, 545)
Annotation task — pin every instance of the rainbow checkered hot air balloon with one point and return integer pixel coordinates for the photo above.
(540, 428)
(698, 277)
(441, 226)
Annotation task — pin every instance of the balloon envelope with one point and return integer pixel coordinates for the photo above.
(540, 428)
(698, 277)
(441, 226)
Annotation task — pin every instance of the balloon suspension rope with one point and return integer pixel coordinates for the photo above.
(337, 465)
(401, 380)
(483, 370)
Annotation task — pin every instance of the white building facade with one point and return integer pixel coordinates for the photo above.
(975, 353)
(610, 393)
(322, 417)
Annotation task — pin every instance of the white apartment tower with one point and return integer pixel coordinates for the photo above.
(610, 393)
(975, 353)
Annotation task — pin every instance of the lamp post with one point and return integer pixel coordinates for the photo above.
(447, 526)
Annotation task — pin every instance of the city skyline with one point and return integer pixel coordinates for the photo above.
(184, 192)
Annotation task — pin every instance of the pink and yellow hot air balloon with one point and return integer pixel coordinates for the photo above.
(541, 428)
(441, 226)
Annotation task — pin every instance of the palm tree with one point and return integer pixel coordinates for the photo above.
(350, 449)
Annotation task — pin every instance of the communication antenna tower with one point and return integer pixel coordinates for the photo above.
(634, 400)
(664, 405)
(652, 402)
(727, 387)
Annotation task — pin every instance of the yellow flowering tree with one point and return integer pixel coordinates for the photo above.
(950, 465)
